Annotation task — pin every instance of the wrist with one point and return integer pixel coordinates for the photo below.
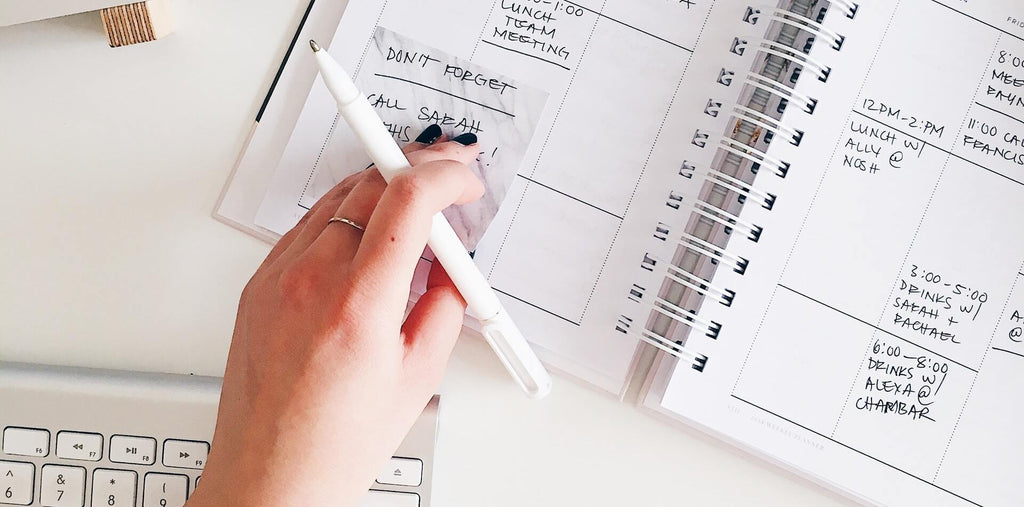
(271, 476)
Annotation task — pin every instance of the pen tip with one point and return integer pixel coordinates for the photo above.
(314, 45)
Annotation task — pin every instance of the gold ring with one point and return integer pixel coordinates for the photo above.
(343, 220)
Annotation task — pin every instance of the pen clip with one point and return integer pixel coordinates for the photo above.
(517, 356)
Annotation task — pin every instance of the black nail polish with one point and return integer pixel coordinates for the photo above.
(429, 135)
(466, 139)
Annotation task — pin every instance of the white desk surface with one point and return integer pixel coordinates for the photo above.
(111, 162)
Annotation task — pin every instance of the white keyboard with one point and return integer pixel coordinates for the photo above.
(75, 437)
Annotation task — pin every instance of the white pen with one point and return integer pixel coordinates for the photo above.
(497, 326)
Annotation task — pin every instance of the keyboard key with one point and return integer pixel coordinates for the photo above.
(26, 442)
(185, 454)
(62, 486)
(402, 472)
(113, 488)
(165, 490)
(390, 499)
(81, 446)
(17, 482)
(133, 450)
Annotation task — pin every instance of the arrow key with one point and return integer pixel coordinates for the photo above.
(185, 454)
(80, 446)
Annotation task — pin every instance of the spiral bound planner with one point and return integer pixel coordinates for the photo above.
(795, 225)
(845, 299)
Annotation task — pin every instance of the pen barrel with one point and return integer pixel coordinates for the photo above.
(378, 143)
(450, 252)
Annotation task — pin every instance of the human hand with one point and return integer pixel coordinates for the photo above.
(324, 378)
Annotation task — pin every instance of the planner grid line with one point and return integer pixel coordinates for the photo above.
(519, 205)
(647, 160)
(974, 381)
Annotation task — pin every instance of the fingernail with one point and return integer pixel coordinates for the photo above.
(466, 139)
(429, 135)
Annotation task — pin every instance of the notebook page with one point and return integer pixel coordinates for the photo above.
(876, 339)
(623, 79)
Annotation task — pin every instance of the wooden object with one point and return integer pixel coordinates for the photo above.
(135, 23)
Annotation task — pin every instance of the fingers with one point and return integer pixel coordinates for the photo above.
(434, 324)
(335, 195)
(316, 220)
(399, 227)
(320, 214)
(451, 150)
(339, 243)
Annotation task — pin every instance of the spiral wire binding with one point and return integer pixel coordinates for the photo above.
(849, 7)
(699, 285)
(727, 220)
(740, 187)
(738, 264)
(787, 53)
(762, 120)
(739, 148)
(686, 277)
(799, 22)
(785, 92)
